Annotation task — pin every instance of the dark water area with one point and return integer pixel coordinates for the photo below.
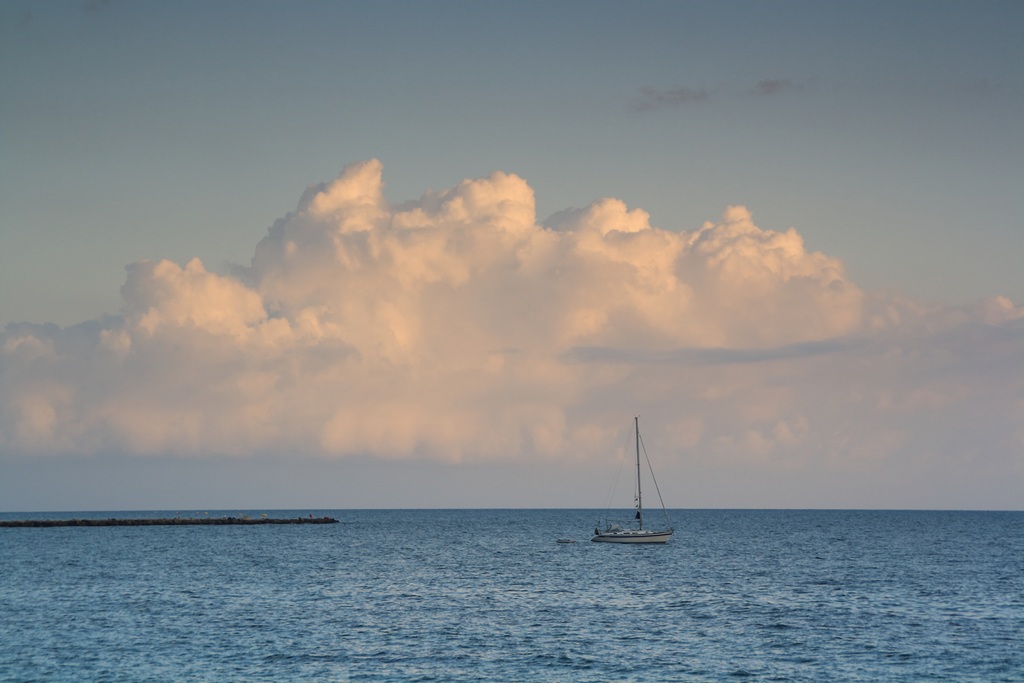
(488, 595)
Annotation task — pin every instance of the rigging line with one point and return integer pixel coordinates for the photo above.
(615, 481)
(655, 480)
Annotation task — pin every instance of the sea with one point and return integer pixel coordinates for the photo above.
(492, 595)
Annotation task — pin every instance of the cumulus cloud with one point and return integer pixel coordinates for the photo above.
(456, 326)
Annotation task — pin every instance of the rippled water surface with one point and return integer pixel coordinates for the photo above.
(488, 595)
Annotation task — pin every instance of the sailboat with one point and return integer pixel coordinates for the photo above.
(613, 533)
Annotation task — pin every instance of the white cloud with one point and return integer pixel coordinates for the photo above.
(457, 327)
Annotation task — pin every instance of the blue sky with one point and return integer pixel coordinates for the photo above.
(888, 135)
(174, 130)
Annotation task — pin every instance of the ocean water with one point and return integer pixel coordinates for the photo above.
(488, 595)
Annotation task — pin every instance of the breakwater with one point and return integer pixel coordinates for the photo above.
(166, 521)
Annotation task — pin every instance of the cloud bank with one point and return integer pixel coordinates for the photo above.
(457, 327)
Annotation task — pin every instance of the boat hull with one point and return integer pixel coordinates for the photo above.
(632, 537)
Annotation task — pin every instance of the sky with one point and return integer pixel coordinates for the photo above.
(349, 255)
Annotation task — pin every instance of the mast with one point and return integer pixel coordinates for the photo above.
(639, 498)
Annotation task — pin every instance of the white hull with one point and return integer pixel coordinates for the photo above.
(632, 537)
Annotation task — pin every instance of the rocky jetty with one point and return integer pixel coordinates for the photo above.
(166, 521)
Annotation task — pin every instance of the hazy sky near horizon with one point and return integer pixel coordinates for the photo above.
(439, 254)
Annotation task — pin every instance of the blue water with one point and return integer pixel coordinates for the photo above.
(488, 595)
